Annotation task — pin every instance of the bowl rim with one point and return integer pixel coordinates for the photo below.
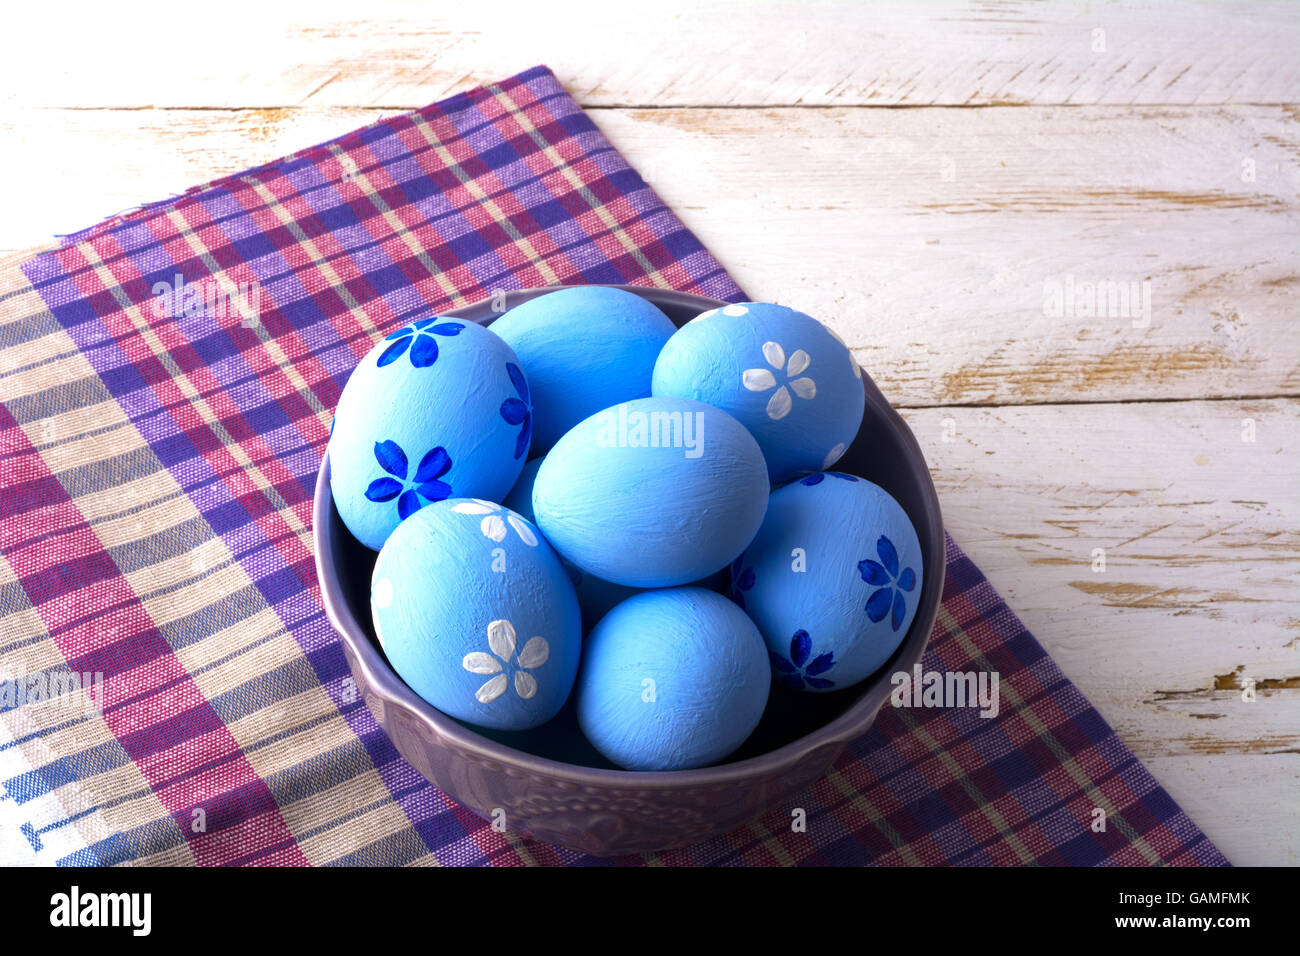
(848, 726)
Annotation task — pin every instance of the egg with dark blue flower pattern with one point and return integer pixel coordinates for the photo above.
(438, 409)
(786, 377)
(475, 613)
(672, 679)
(832, 579)
(584, 349)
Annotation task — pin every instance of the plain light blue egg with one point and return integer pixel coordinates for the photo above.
(584, 348)
(671, 680)
(790, 380)
(595, 596)
(832, 580)
(655, 492)
(438, 409)
(476, 614)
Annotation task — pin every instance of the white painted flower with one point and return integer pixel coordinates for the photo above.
(732, 310)
(833, 456)
(494, 522)
(761, 379)
(501, 641)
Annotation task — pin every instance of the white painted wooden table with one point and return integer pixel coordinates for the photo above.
(923, 177)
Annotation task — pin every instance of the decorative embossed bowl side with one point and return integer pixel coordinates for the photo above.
(550, 784)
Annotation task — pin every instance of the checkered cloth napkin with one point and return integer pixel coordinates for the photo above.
(156, 475)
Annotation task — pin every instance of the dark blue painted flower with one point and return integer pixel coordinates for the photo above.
(516, 411)
(820, 476)
(741, 581)
(419, 338)
(392, 459)
(889, 583)
(798, 670)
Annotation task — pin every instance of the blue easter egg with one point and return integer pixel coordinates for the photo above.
(832, 580)
(476, 614)
(790, 380)
(655, 492)
(438, 409)
(595, 596)
(671, 680)
(584, 348)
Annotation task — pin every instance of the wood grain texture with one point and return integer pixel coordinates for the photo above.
(1246, 805)
(1194, 505)
(1196, 606)
(931, 240)
(736, 53)
(79, 167)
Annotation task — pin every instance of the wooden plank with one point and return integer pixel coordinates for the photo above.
(932, 240)
(1193, 506)
(1245, 804)
(81, 167)
(1197, 601)
(929, 239)
(732, 53)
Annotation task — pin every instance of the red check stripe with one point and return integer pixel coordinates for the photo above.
(100, 625)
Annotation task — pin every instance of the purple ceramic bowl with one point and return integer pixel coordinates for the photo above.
(550, 783)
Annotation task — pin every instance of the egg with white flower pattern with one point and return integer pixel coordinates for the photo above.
(786, 377)
(832, 580)
(438, 409)
(672, 679)
(655, 492)
(476, 614)
(584, 348)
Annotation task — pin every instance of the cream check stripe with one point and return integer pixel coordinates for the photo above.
(872, 815)
(22, 745)
(227, 283)
(197, 402)
(67, 818)
(771, 844)
(365, 186)
(490, 206)
(953, 771)
(562, 167)
(110, 793)
(318, 261)
(427, 859)
(1081, 780)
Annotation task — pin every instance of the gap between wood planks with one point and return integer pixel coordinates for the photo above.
(1099, 401)
(1111, 378)
(596, 107)
(16, 257)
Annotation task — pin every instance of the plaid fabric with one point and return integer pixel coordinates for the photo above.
(155, 498)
